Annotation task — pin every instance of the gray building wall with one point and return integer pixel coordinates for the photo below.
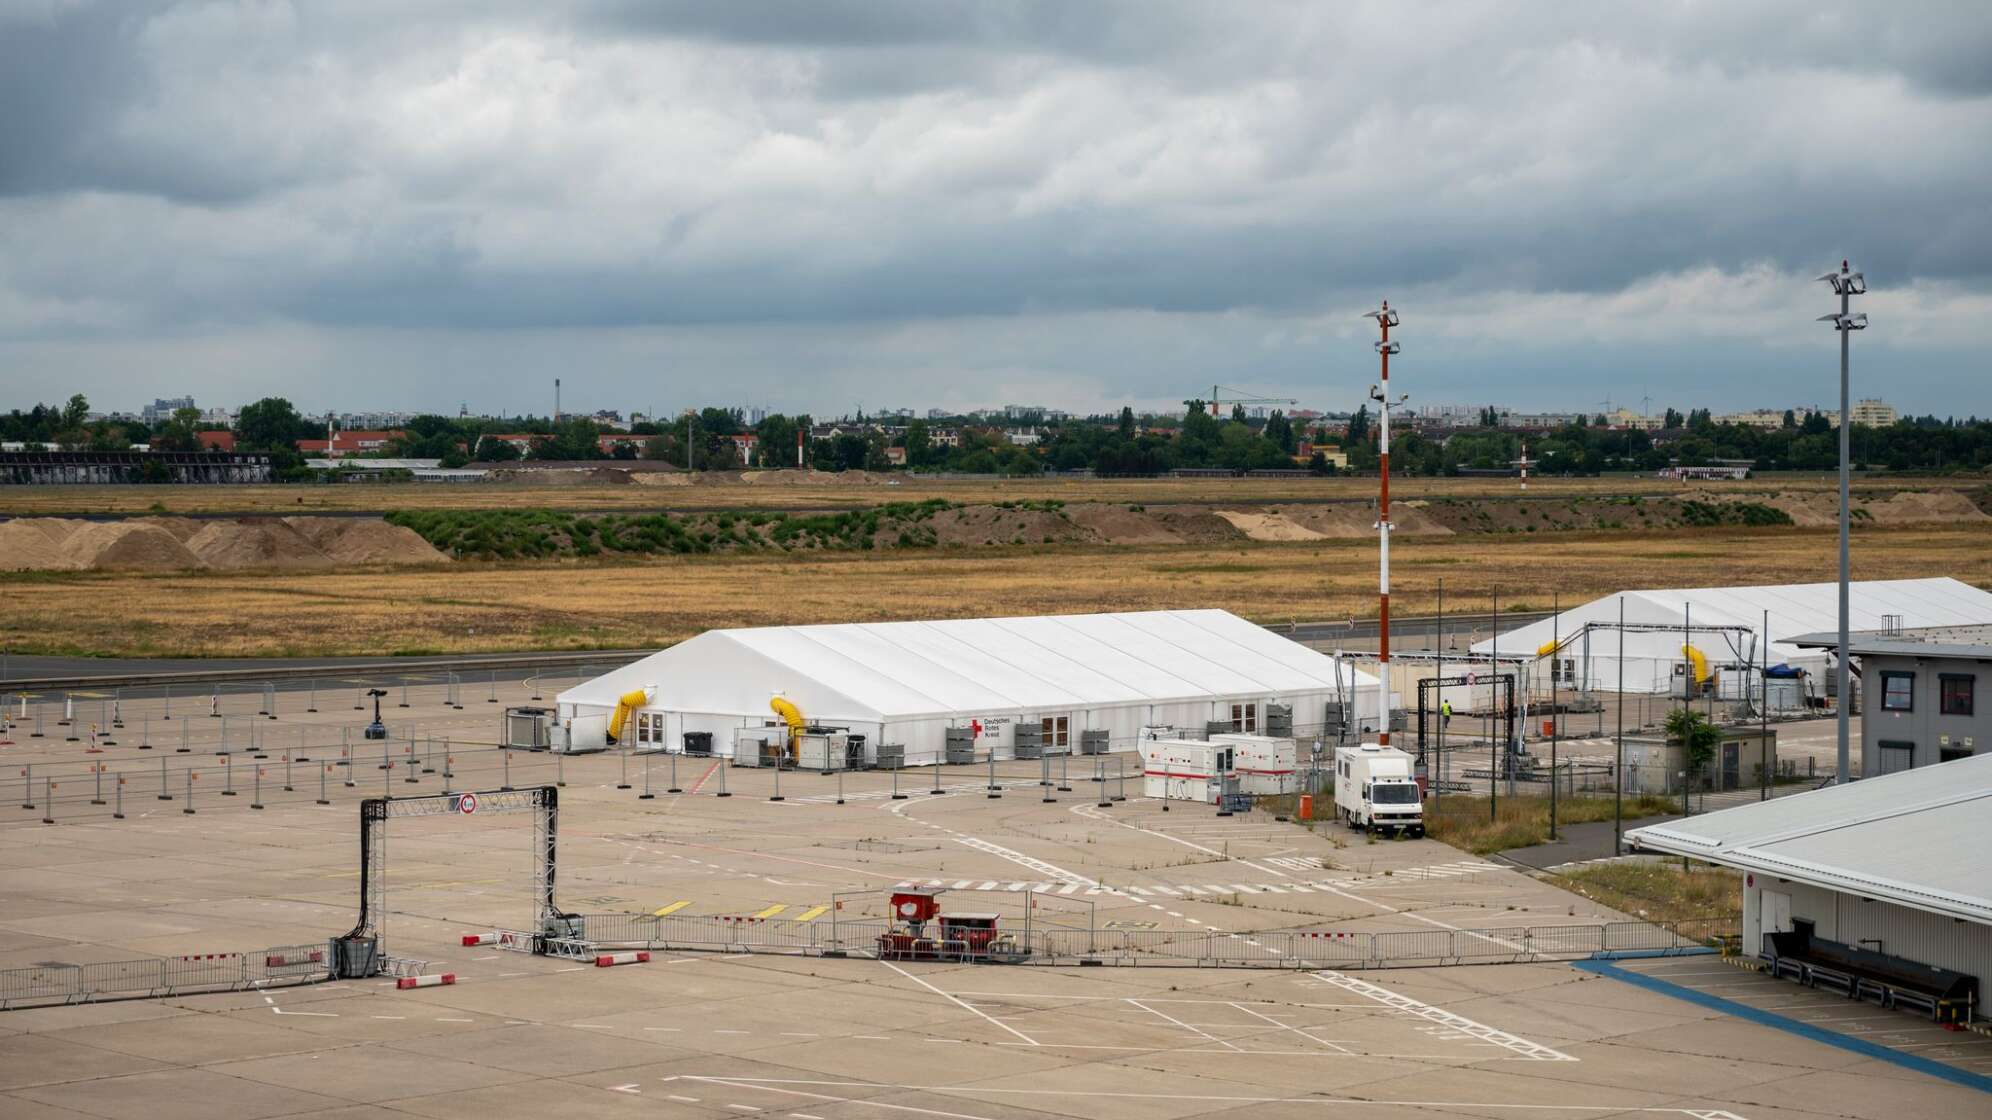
(1899, 931)
(1925, 728)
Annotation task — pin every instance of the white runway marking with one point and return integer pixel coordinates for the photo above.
(961, 1003)
(782, 1085)
(1444, 1018)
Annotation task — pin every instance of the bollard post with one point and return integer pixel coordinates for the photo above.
(97, 775)
(939, 762)
(228, 775)
(68, 711)
(506, 785)
(723, 768)
(778, 780)
(622, 760)
(323, 769)
(256, 798)
(27, 787)
(287, 773)
(189, 809)
(646, 795)
(995, 791)
(117, 811)
(896, 795)
(48, 801)
(674, 776)
(164, 793)
(412, 775)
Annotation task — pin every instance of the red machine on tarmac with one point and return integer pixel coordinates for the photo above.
(957, 937)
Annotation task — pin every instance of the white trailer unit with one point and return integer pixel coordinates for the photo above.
(1374, 789)
(1184, 769)
(1264, 765)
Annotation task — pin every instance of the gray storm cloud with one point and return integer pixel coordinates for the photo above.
(821, 202)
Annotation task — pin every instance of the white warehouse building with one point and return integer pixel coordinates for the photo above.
(1878, 887)
(905, 684)
(1726, 627)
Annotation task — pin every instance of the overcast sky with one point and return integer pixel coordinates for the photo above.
(823, 204)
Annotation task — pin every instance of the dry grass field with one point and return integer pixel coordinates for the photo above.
(778, 490)
(600, 604)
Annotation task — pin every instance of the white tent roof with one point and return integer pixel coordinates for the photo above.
(1796, 609)
(1047, 663)
(1920, 838)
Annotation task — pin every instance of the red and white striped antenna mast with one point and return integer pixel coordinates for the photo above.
(1380, 392)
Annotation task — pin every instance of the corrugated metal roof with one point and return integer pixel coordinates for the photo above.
(1920, 838)
(1034, 663)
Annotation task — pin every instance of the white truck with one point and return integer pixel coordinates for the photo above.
(1374, 790)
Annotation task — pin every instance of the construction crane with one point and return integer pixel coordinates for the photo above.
(1241, 397)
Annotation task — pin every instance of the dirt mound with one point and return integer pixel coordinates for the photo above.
(661, 478)
(1347, 519)
(563, 476)
(256, 544)
(128, 546)
(993, 525)
(28, 545)
(1904, 507)
(1197, 526)
(1116, 524)
(352, 540)
(813, 478)
(1269, 526)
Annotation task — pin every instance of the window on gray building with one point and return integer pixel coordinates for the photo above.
(1952, 754)
(1896, 756)
(1898, 692)
(1954, 693)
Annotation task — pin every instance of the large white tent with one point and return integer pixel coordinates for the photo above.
(906, 683)
(1727, 626)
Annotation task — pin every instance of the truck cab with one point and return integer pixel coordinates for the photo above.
(1376, 791)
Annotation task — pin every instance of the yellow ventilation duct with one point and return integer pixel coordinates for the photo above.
(1698, 661)
(793, 717)
(629, 702)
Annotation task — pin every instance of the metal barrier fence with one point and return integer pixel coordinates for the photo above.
(1204, 948)
(163, 976)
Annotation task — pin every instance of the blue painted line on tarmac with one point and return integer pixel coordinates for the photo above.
(1791, 1026)
(1642, 954)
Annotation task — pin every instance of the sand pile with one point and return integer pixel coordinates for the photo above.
(168, 544)
(1269, 526)
(661, 478)
(126, 545)
(1116, 524)
(989, 525)
(814, 478)
(1358, 519)
(255, 543)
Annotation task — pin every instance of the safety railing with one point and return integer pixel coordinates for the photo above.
(1204, 948)
(162, 976)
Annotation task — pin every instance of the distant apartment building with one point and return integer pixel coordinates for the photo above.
(607, 444)
(944, 437)
(1873, 413)
(938, 414)
(163, 408)
(374, 421)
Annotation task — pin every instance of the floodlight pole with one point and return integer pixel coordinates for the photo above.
(1384, 317)
(1846, 283)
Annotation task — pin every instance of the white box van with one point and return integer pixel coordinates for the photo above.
(1374, 789)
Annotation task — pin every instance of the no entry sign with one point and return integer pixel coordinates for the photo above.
(467, 803)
